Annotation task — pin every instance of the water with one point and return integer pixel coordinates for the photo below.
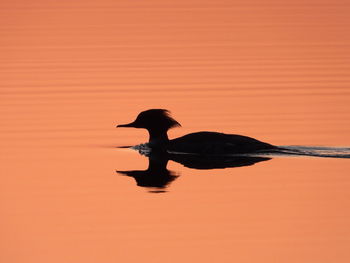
(72, 71)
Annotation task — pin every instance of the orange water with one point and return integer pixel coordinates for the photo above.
(72, 70)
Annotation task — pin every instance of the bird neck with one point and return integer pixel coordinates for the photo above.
(158, 138)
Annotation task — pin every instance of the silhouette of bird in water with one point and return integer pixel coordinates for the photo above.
(158, 121)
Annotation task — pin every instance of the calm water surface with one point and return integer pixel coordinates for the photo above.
(71, 71)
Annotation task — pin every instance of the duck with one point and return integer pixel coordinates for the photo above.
(158, 121)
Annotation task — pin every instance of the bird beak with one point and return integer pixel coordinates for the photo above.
(132, 124)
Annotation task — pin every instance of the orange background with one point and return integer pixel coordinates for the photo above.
(72, 70)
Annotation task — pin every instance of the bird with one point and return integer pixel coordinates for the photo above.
(158, 121)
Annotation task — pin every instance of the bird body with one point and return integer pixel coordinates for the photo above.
(216, 143)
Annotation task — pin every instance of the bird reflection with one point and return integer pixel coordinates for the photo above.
(205, 162)
(157, 177)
